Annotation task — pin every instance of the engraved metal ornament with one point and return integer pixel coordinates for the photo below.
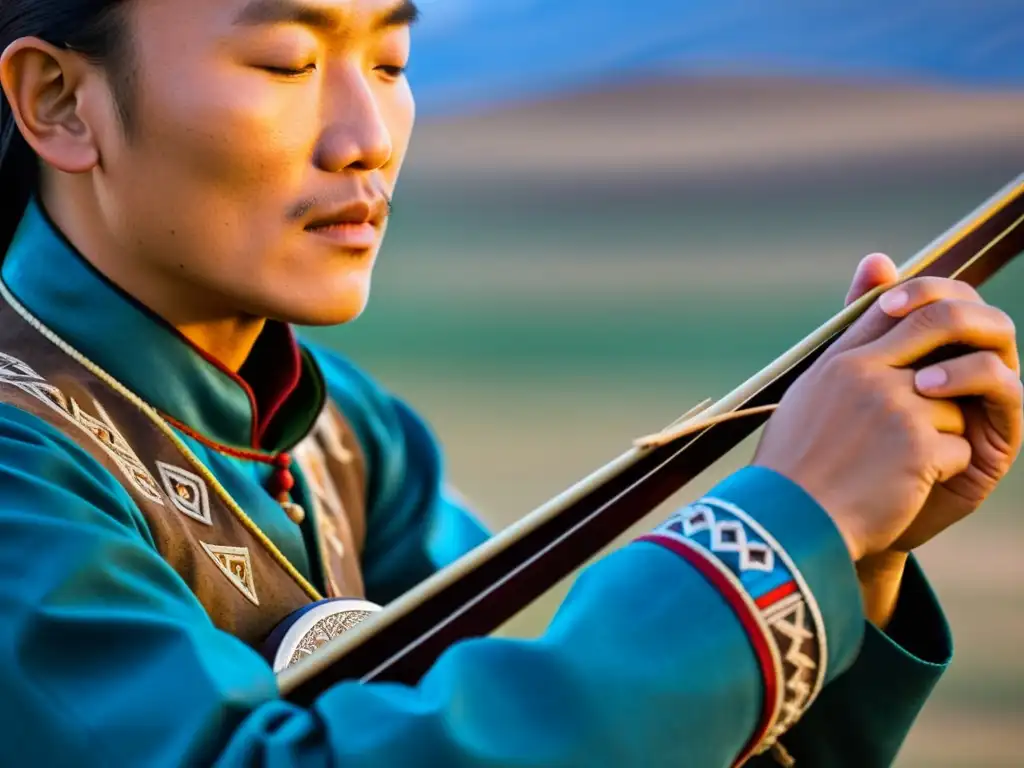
(319, 626)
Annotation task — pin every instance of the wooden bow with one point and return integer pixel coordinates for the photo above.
(478, 593)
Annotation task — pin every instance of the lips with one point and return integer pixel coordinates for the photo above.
(354, 235)
(353, 225)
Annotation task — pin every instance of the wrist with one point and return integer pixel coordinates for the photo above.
(881, 576)
(849, 527)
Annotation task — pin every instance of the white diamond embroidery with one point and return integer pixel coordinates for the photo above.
(698, 518)
(187, 492)
(235, 563)
(729, 536)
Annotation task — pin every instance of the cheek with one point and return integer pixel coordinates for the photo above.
(219, 127)
(215, 171)
(235, 136)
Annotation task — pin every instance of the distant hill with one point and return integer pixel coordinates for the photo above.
(710, 127)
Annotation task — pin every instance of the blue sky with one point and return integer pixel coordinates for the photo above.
(474, 52)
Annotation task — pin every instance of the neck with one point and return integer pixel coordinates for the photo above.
(227, 340)
(197, 313)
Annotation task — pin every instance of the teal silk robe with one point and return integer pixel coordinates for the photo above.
(107, 659)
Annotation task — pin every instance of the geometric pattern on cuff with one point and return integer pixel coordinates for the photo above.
(764, 588)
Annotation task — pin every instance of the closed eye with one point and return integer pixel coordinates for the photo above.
(290, 71)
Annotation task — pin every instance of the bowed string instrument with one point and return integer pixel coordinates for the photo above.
(478, 593)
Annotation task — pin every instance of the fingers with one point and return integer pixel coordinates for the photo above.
(979, 374)
(946, 416)
(940, 411)
(895, 304)
(952, 456)
(943, 324)
(874, 270)
(914, 294)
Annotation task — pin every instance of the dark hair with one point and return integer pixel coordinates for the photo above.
(97, 29)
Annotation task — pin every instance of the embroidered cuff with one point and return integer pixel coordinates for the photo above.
(763, 586)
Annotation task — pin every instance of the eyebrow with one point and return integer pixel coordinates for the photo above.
(259, 13)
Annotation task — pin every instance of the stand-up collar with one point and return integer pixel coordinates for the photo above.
(271, 405)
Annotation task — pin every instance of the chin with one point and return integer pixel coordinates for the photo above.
(319, 308)
(317, 289)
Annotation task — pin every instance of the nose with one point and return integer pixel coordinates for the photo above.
(356, 136)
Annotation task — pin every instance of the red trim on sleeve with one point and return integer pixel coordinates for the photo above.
(709, 568)
(772, 597)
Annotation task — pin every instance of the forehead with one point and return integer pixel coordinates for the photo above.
(325, 15)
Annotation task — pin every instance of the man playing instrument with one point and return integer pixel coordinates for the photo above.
(182, 180)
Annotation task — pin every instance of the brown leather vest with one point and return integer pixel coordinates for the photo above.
(245, 584)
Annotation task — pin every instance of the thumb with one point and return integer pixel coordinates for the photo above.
(873, 271)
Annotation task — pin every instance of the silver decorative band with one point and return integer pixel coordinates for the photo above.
(305, 633)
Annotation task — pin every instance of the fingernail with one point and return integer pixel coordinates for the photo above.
(893, 301)
(931, 378)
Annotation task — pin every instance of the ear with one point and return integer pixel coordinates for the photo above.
(45, 86)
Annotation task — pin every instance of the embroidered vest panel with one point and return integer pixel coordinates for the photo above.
(333, 464)
(246, 586)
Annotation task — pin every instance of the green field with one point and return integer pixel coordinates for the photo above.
(541, 328)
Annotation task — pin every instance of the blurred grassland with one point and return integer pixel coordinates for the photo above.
(541, 325)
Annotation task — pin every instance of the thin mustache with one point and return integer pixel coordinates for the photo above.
(303, 209)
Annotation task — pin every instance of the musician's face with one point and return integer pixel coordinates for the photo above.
(256, 120)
